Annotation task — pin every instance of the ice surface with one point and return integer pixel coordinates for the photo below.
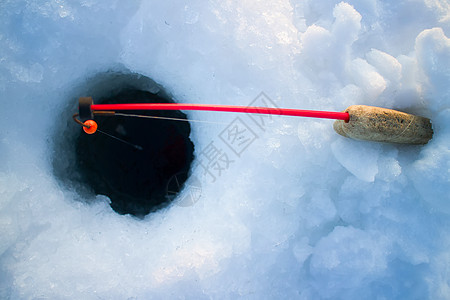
(359, 158)
(299, 212)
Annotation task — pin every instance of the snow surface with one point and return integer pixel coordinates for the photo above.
(301, 213)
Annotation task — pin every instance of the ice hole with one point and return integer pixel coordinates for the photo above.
(137, 180)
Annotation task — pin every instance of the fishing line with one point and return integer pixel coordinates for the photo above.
(168, 118)
(123, 141)
(90, 127)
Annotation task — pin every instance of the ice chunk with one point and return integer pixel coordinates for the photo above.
(433, 55)
(347, 23)
(316, 43)
(317, 210)
(359, 158)
(346, 258)
(365, 76)
(386, 65)
(302, 250)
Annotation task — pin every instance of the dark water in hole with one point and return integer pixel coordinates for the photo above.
(135, 180)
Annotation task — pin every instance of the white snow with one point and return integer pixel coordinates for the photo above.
(300, 212)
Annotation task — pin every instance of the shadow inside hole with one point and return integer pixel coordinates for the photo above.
(135, 180)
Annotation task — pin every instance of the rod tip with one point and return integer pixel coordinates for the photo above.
(84, 108)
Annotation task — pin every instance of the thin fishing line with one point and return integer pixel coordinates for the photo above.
(168, 118)
(128, 143)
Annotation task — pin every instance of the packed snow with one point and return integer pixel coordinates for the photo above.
(294, 212)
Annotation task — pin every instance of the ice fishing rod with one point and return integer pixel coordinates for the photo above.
(87, 108)
(357, 121)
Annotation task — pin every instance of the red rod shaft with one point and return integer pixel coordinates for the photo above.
(224, 108)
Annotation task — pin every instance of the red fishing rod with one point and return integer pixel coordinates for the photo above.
(87, 109)
(222, 108)
(357, 121)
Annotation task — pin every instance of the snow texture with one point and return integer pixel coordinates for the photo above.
(298, 212)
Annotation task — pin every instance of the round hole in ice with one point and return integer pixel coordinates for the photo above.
(138, 180)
